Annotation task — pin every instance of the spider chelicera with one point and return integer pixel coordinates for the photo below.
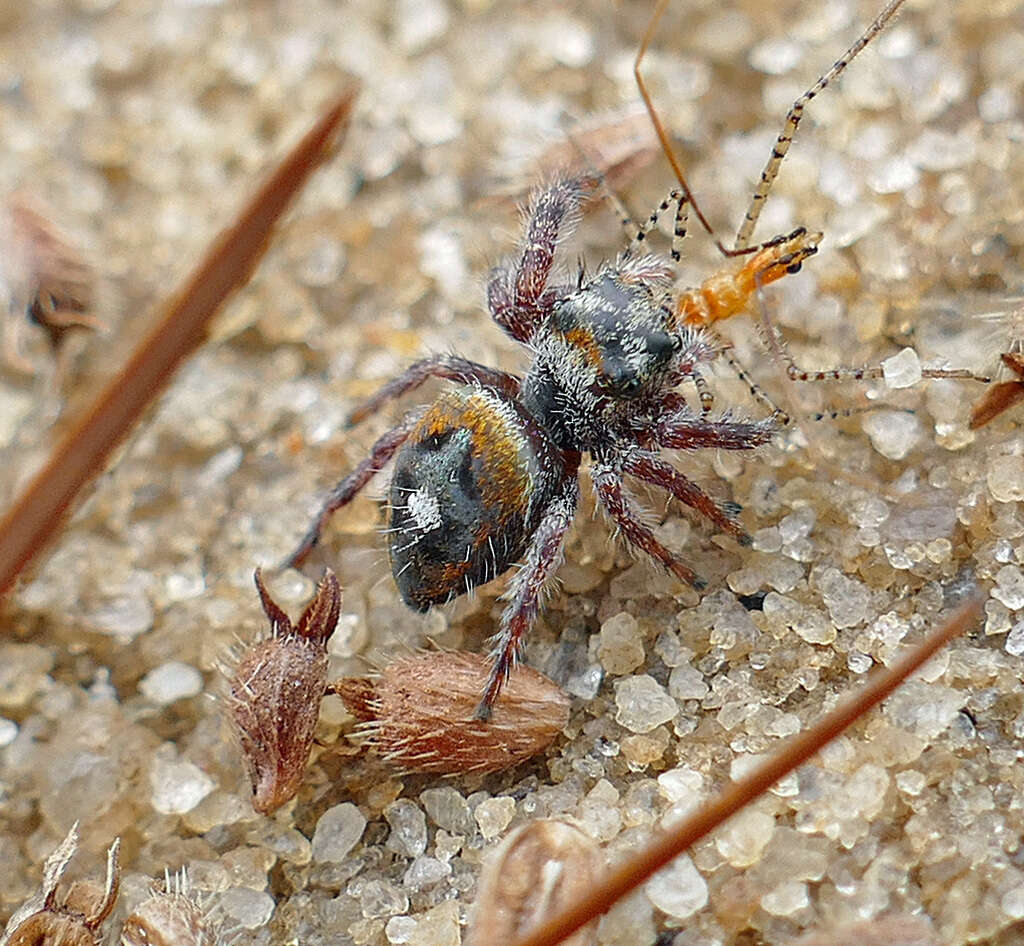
(487, 475)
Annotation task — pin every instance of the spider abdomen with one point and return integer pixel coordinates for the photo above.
(468, 486)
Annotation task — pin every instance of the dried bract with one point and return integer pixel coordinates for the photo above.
(419, 714)
(1001, 397)
(275, 694)
(71, 918)
(173, 917)
(540, 868)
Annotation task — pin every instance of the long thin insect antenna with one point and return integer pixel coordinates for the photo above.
(793, 117)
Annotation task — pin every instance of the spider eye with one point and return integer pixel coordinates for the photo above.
(620, 381)
(660, 346)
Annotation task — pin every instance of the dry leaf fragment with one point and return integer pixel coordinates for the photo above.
(541, 867)
(275, 695)
(419, 714)
(614, 144)
(1000, 397)
(72, 918)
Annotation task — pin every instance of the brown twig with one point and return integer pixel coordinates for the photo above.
(629, 875)
(178, 330)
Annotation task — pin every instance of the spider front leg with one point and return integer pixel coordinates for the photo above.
(516, 295)
(654, 470)
(542, 558)
(608, 483)
(342, 494)
(688, 432)
(451, 367)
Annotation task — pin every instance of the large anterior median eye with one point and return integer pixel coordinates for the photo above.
(618, 378)
(660, 346)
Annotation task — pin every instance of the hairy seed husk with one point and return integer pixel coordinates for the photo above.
(418, 714)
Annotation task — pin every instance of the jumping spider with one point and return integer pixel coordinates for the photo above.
(487, 475)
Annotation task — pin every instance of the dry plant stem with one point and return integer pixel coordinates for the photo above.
(795, 752)
(178, 331)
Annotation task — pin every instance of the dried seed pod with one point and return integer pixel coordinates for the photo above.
(275, 694)
(541, 868)
(173, 917)
(73, 918)
(419, 714)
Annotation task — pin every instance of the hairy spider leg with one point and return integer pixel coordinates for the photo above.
(451, 367)
(347, 489)
(694, 433)
(686, 432)
(516, 296)
(542, 558)
(652, 469)
(608, 484)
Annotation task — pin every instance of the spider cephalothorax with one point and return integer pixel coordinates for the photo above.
(607, 353)
(487, 475)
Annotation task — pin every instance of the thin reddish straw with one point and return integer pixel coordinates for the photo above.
(797, 750)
